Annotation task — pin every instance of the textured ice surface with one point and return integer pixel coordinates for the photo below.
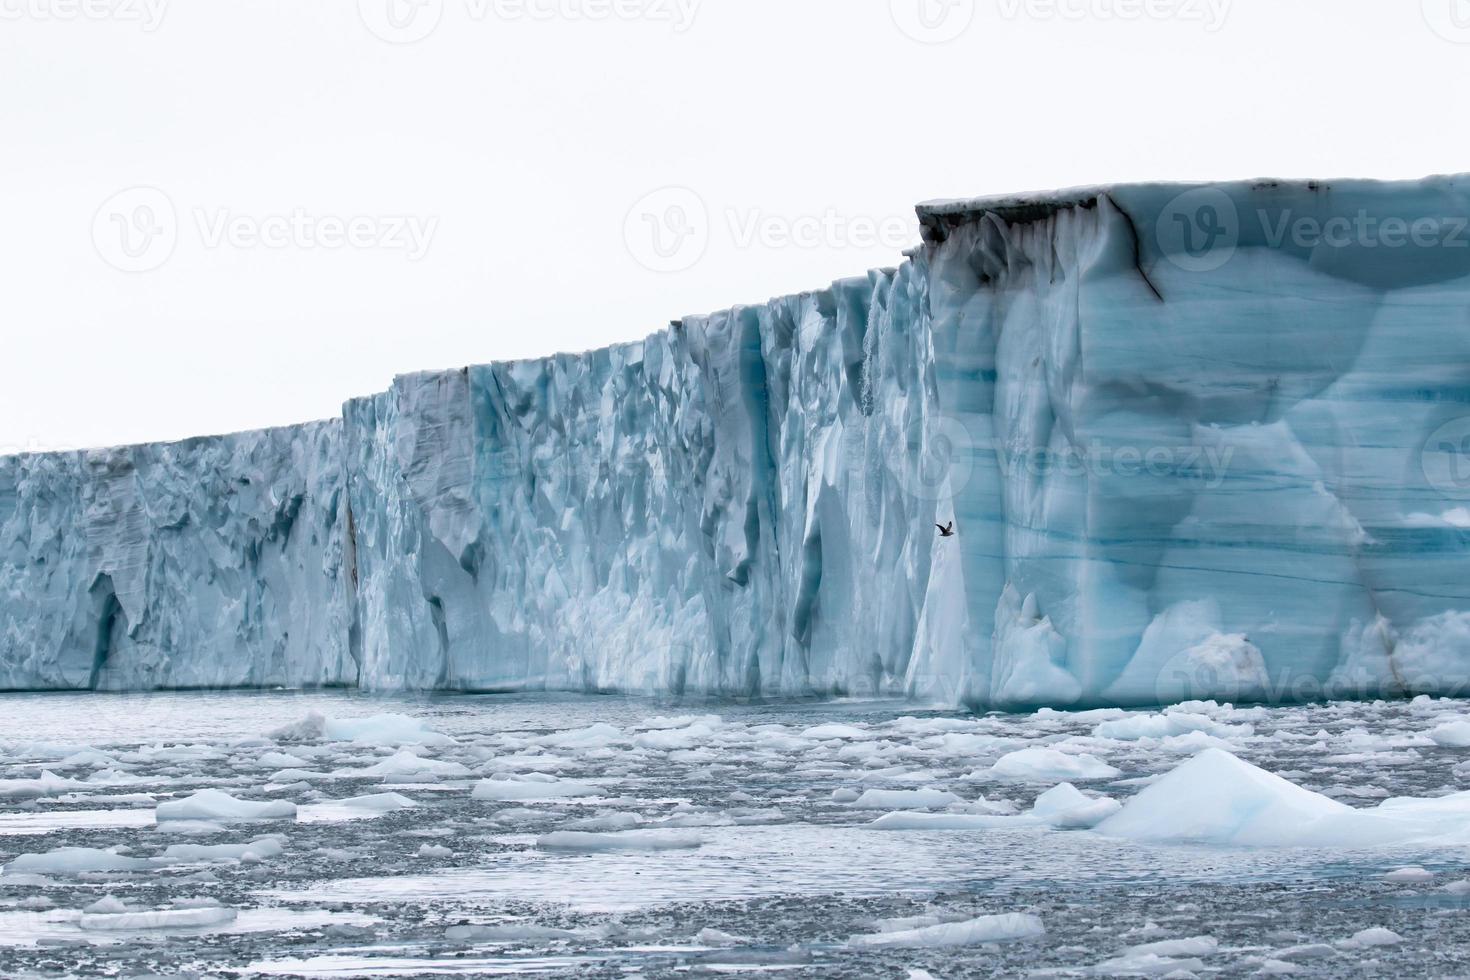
(1177, 472)
(735, 846)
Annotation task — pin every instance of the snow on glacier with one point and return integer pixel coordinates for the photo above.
(1171, 481)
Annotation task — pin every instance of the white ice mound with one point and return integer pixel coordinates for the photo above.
(254, 851)
(75, 861)
(47, 784)
(388, 730)
(1067, 808)
(905, 799)
(1039, 765)
(162, 919)
(532, 790)
(405, 763)
(986, 929)
(220, 807)
(1217, 798)
(379, 803)
(629, 840)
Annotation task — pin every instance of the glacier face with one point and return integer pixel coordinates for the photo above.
(1198, 442)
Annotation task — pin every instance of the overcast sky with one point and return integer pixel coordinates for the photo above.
(229, 214)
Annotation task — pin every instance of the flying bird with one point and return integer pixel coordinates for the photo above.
(946, 531)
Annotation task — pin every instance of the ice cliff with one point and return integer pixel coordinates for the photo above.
(1203, 441)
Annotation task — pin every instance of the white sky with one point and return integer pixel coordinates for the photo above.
(530, 139)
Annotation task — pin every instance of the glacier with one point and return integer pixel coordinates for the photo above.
(1199, 441)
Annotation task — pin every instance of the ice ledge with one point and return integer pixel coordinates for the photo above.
(937, 218)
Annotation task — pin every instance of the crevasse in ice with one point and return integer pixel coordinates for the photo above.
(1198, 442)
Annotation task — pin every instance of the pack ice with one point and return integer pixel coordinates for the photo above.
(1203, 441)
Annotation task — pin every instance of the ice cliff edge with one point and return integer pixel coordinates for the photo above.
(1198, 441)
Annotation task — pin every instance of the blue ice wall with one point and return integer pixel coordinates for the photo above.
(1198, 441)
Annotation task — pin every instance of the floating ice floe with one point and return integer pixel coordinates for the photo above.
(1063, 807)
(629, 840)
(1168, 724)
(256, 850)
(905, 799)
(216, 806)
(405, 763)
(1041, 765)
(528, 790)
(1220, 799)
(75, 861)
(1452, 735)
(385, 731)
(158, 920)
(47, 784)
(986, 929)
(1067, 808)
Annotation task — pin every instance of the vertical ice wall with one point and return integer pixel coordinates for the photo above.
(1191, 447)
(1221, 473)
(724, 507)
(210, 563)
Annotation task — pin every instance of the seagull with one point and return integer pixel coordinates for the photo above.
(946, 531)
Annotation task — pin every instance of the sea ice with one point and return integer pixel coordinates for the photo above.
(214, 805)
(905, 799)
(1041, 765)
(986, 929)
(629, 840)
(525, 790)
(75, 861)
(163, 919)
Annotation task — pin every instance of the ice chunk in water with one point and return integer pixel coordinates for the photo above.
(214, 805)
(986, 929)
(628, 840)
(1039, 765)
